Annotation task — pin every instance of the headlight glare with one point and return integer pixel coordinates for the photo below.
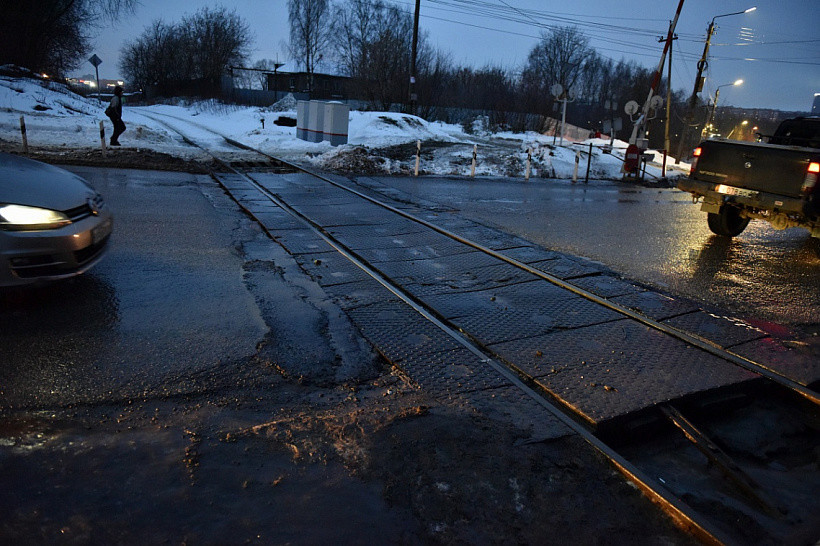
(22, 217)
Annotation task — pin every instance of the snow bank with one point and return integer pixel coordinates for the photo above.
(378, 141)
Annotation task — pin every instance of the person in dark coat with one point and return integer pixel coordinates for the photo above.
(114, 111)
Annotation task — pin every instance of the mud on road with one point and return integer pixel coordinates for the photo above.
(258, 458)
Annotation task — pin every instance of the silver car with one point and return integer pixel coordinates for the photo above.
(53, 225)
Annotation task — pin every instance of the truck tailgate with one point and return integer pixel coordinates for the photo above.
(754, 166)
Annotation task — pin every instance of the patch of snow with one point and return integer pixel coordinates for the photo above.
(58, 118)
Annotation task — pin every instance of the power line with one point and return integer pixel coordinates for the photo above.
(529, 17)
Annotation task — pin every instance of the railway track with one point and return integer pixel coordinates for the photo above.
(465, 311)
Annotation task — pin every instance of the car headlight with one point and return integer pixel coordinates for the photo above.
(21, 218)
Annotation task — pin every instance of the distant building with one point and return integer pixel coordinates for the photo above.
(323, 86)
(87, 84)
(815, 108)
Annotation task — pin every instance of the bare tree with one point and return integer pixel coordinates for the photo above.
(200, 48)
(310, 31)
(372, 45)
(355, 28)
(155, 58)
(216, 39)
(53, 35)
(558, 58)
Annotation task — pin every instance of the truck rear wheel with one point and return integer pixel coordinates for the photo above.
(727, 222)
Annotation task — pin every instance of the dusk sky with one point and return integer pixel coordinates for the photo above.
(774, 49)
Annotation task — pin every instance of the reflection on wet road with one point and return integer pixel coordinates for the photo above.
(652, 235)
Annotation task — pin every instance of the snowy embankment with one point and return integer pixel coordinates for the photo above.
(379, 142)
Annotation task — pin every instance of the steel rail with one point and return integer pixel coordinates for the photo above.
(687, 337)
(676, 509)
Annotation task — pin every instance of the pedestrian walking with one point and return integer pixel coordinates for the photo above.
(114, 111)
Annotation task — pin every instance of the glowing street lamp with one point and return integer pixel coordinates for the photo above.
(714, 103)
(702, 65)
(742, 126)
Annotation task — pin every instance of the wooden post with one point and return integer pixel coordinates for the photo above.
(589, 163)
(475, 155)
(577, 161)
(418, 155)
(23, 132)
(529, 164)
(102, 137)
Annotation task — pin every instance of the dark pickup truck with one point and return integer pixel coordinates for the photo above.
(774, 181)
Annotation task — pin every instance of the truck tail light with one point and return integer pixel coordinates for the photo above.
(696, 153)
(811, 177)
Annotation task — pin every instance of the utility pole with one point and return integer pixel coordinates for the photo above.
(703, 63)
(638, 129)
(693, 99)
(413, 95)
(666, 143)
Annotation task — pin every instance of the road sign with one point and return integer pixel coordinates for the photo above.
(96, 61)
(556, 90)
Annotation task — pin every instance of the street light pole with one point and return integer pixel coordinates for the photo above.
(702, 64)
(711, 115)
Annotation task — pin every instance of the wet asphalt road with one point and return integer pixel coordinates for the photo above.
(169, 301)
(118, 387)
(166, 302)
(150, 357)
(655, 236)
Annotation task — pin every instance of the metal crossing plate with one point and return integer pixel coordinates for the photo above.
(724, 331)
(360, 241)
(419, 246)
(405, 253)
(273, 182)
(656, 306)
(493, 301)
(484, 278)
(613, 369)
(360, 293)
(453, 371)
(564, 268)
(399, 227)
(399, 332)
(797, 362)
(234, 182)
(256, 207)
(354, 215)
(297, 180)
(249, 194)
(329, 268)
(530, 254)
(534, 317)
(300, 241)
(438, 269)
(486, 236)
(606, 286)
(277, 219)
